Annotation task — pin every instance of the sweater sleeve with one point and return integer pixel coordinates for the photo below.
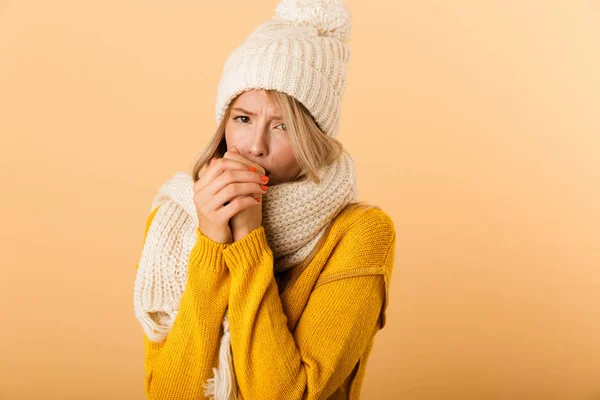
(178, 367)
(340, 319)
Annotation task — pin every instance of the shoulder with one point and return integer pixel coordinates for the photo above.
(363, 239)
(371, 219)
(366, 221)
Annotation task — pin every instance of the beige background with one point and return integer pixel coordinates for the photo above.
(474, 125)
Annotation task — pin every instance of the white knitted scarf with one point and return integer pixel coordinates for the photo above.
(295, 215)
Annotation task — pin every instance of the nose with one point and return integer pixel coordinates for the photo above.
(258, 147)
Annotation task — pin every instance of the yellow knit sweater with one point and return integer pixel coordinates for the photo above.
(310, 340)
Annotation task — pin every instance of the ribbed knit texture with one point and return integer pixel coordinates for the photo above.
(295, 216)
(310, 342)
(302, 51)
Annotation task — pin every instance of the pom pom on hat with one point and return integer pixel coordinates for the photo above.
(330, 17)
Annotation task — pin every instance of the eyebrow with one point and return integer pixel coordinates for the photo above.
(251, 113)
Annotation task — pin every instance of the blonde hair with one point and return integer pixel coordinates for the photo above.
(312, 147)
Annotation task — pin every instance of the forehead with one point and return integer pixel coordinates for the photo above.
(256, 100)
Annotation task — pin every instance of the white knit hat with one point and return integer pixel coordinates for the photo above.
(301, 51)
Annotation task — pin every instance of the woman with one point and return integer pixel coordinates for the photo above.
(265, 236)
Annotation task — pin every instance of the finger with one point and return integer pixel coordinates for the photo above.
(232, 176)
(227, 202)
(237, 205)
(204, 168)
(218, 167)
(237, 156)
(205, 197)
(233, 191)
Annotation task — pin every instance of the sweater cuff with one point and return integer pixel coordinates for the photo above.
(207, 253)
(248, 252)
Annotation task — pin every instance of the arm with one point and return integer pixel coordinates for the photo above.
(178, 367)
(340, 319)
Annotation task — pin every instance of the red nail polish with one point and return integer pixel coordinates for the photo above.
(264, 178)
(252, 169)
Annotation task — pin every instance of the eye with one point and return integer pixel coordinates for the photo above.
(283, 129)
(241, 116)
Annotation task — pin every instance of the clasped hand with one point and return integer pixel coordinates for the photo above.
(226, 196)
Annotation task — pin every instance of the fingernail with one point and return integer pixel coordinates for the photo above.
(264, 178)
(252, 169)
(257, 199)
(263, 187)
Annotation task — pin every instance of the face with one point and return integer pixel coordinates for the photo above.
(256, 128)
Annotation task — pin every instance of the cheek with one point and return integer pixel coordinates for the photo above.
(289, 155)
(231, 134)
(287, 159)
